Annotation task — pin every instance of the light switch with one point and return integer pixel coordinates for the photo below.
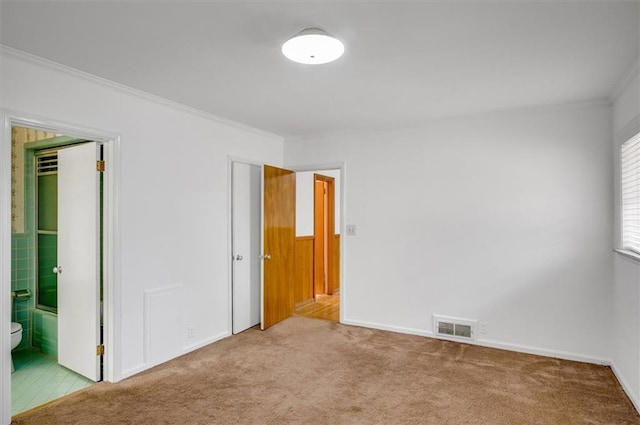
(351, 229)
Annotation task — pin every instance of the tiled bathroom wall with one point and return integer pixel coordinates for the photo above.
(23, 277)
(23, 245)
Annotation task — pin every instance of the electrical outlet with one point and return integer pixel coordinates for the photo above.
(484, 329)
(191, 331)
(351, 229)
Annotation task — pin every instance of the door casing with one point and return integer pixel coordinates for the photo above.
(111, 244)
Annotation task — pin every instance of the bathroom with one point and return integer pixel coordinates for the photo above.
(37, 377)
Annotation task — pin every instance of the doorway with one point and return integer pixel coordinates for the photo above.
(272, 216)
(316, 213)
(59, 203)
(323, 235)
(262, 244)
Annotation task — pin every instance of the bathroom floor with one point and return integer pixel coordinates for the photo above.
(39, 379)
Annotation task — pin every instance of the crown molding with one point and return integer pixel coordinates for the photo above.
(46, 63)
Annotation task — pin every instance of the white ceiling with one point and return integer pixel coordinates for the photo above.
(405, 62)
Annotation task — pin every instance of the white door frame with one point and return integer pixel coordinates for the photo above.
(111, 248)
(342, 166)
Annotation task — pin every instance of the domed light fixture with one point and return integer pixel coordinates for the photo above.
(313, 46)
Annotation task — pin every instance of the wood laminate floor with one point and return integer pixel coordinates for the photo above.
(325, 307)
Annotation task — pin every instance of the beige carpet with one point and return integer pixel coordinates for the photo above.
(306, 371)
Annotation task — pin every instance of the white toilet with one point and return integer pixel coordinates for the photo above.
(16, 337)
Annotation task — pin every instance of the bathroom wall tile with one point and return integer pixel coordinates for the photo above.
(23, 316)
(23, 274)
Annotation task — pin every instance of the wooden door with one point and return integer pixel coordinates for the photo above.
(319, 233)
(279, 231)
(323, 234)
(79, 260)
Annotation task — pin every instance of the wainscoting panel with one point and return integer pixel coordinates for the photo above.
(164, 332)
(335, 265)
(303, 285)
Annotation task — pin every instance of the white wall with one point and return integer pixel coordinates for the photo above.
(304, 200)
(625, 346)
(505, 218)
(173, 199)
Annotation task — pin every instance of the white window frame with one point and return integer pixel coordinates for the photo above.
(629, 132)
(630, 194)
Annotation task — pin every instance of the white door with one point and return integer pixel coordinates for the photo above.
(246, 211)
(79, 260)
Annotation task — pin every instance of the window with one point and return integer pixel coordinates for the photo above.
(630, 188)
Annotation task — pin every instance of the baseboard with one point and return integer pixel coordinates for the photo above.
(382, 327)
(485, 343)
(625, 386)
(133, 371)
(556, 354)
(200, 344)
(187, 349)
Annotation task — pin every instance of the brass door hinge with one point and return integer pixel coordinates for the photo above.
(100, 166)
(100, 350)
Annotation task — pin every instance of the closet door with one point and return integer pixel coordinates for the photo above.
(245, 241)
(79, 260)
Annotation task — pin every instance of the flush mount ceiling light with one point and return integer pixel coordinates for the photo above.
(313, 46)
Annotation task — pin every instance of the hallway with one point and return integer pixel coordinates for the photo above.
(326, 307)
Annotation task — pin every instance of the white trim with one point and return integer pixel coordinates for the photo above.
(624, 81)
(625, 386)
(5, 275)
(262, 247)
(205, 342)
(628, 131)
(620, 137)
(565, 355)
(390, 328)
(112, 321)
(134, 371)
(556, 354)
(27, 57)
(630, 255)
(112, 261)
(148, 296)
(187, 349)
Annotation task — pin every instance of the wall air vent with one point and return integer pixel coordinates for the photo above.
(454, 328)
(47, 163)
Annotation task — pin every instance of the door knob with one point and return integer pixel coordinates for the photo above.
(57, 269)
(238, 257)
